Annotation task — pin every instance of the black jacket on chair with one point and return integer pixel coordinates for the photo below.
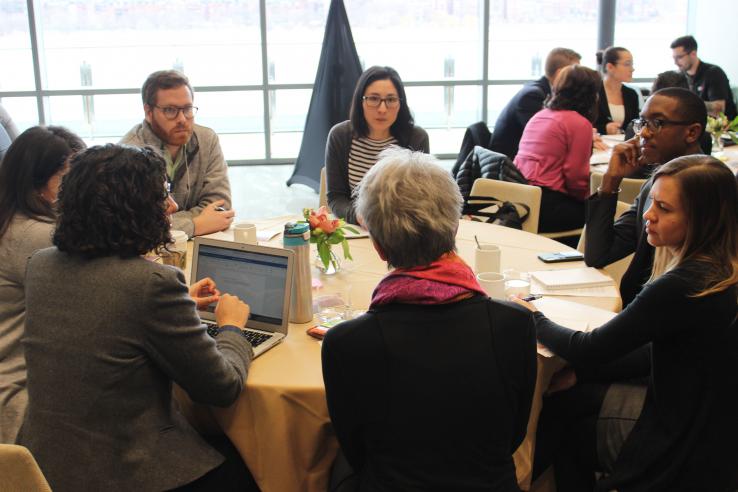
(476, 134)
(484, 163)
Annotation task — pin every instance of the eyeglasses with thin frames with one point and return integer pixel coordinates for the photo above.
(171, 112)
(655, 125)
(390, 102)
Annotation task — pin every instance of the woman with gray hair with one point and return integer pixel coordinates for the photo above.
(432, 387)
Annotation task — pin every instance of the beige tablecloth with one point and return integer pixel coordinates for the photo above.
(280, 422)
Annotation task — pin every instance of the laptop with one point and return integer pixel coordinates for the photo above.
(261, 276)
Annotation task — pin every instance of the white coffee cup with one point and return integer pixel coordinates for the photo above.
(244, 232)
(517, 287)
(516, 283)
(487, 258)
(493, 284)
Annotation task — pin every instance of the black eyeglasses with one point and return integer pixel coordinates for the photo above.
(655, 125)
(391, 102)
(171, 112)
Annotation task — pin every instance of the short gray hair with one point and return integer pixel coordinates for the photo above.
(411, 207)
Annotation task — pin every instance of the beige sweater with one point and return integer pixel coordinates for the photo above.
(23, 237)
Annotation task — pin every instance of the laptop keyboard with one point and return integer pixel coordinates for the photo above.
(253, 337)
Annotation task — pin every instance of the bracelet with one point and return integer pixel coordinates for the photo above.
(600, 192)
(232, 328)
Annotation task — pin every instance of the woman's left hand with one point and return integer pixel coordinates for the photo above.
(203, 292)
(530, 307)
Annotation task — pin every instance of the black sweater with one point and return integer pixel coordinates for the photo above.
(432, 397)
(685, 437)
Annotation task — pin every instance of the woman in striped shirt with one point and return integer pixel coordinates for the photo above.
(379, 118)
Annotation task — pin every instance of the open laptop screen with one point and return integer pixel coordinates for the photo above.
(258, 279)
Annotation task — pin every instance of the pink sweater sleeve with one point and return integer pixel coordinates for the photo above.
(576, 164)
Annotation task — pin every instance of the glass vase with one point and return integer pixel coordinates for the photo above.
(717, 143)
(334, 264)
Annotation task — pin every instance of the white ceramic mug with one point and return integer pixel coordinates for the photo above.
(244, 232)
(487, 258)
(493, 284)
(516, 283)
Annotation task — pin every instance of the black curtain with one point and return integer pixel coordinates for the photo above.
(338, 71)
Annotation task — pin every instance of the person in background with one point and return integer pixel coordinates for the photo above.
(669, 78)
(7, 123)
(673, 78)
(670, 125)
(108, 332)
(678, 334)
(30, 176)
(196, 169)
(379, 117)
(430, 389)
(706, 80)
(528, 101)
(8, 131)
(556, 147)
(618, 103)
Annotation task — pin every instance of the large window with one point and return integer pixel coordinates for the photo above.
(461, 60)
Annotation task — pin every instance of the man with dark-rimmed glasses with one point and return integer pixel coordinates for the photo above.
(705, 79)
(196, 169)
(670, 125)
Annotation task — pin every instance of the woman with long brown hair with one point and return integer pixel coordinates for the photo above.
(678, 336)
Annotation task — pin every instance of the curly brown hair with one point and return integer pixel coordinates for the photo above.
(576, 88)
(113, 202)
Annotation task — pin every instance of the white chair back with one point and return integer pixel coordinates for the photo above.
(512, 192)
(19, 471)
(323, 196)
(617, 269)
(629, 188)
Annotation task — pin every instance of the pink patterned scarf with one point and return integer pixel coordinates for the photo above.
(446, 280)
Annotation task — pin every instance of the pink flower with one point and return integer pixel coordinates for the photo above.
(321, 220)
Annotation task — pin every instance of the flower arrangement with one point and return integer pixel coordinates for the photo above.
(325, 231)
(719, 126)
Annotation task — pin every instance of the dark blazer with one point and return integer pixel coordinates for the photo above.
(511, 122)
(105, 339)
(606, 242)
(630, 101)
(432, 397)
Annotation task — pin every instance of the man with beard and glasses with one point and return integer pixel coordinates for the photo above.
(196, 169)
(705, 79)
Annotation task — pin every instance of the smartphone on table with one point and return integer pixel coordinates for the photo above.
(561, 256)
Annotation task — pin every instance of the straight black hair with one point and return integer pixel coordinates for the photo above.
(402, 128)
(31, 160)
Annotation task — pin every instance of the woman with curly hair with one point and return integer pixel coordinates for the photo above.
(556, 146)
(379, 117)
(108, 332)
(29, 182)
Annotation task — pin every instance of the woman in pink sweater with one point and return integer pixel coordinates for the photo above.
(556, 147)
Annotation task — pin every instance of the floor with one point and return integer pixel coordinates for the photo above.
(261, 191)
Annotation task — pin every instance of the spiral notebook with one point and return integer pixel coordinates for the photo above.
(571, 278)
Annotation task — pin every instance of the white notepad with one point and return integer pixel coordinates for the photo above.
(571, 278)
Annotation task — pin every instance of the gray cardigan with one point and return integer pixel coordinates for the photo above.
(336, 166)
(203, 178)
(105, 339)
(22, 238)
